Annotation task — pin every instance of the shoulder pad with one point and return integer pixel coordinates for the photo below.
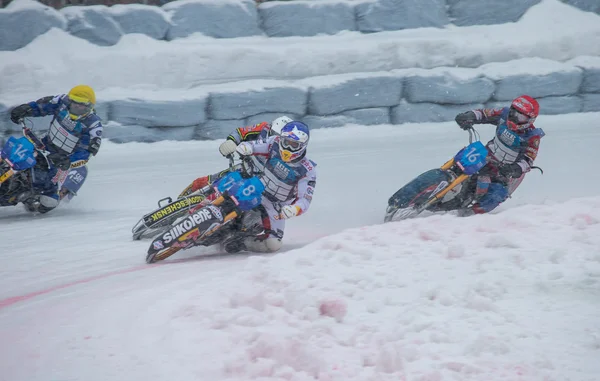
(308, 164)
(92, 121)
(538, 132)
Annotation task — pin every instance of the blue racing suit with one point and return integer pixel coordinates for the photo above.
(70, 142)
(511, 156)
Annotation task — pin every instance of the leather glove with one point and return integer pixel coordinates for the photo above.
(244, 149)
(289, 211)
(511, 170)
(227, 147)
(466, 120)
(18, 113)
(94, 146)
(60, 161)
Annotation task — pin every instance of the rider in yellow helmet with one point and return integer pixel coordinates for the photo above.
(74, 134)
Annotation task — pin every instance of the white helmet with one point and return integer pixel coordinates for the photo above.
(278, 124)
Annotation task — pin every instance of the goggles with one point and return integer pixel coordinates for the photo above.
(79, 109)
(290, 144)
(516, 117)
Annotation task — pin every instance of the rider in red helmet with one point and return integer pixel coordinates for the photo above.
(512, 151)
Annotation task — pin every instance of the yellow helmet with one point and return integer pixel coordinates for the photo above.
(81, 101)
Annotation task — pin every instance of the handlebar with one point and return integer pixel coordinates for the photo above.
(30, 135)
(37, 143)
(473, 135)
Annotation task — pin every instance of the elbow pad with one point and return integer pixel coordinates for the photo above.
(94, 146)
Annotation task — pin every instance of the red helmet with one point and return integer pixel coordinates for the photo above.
(522, 114)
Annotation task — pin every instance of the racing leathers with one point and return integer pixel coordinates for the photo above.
(258, 131)
(70, 143)
(511, 156)
(289, 188)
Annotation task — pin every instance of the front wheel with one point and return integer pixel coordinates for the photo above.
(406, 202)
(161, 255)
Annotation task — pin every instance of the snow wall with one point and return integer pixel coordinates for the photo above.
(241, 18)
(393, 97)
(385, 97)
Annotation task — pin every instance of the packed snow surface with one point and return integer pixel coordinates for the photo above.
(512, 295)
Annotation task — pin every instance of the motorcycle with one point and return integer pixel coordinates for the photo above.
(159, 220)
(450, 187)
(18, 163)
(230, 217)
(23, 176)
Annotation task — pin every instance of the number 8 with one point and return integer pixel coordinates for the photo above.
(249, 190)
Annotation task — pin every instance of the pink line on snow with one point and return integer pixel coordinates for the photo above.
(21, 298)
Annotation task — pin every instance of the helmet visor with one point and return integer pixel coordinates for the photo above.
(78, 108)
(518, 118)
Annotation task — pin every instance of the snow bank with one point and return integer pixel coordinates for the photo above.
(473, 12)
(397, 96)
(548, 30)
(497, 297)
(303, 18)
(24, 20)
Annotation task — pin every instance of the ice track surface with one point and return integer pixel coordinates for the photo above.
(514, 295)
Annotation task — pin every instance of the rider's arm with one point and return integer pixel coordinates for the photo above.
(42, 107)
(249, 133)
(530, 154)
(92, 136)
(306, 188)
(480, 116)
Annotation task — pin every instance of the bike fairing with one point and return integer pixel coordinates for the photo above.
(18, 160)
(237, 196)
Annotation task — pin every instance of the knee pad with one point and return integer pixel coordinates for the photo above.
(49, 201)
(269, 245)
(496, 195)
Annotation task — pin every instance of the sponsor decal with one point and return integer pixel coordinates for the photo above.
(187, 225)
(216, 212)
(312, 183)
(158, 245)
(76, 177)
(60, 176)
(172, 208)
(78, 163)
(307, 164)
(309, 190)
(6, 175)
(507, 138)
(281, 170)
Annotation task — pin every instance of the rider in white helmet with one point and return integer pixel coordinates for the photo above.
(260, 131)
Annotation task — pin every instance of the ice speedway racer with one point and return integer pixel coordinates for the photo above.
(452, 187)
(232, 215)
(24, 167)
(169, 210)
